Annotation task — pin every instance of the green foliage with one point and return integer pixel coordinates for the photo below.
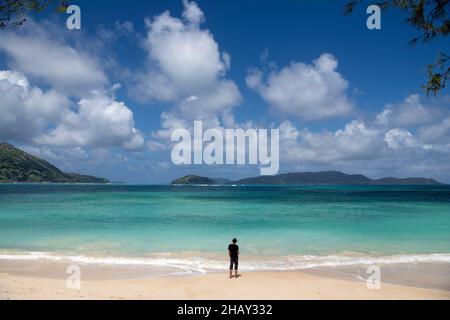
(192, 179)
(430, 18)
(330, 178)
(19, 166)
(309, 178)
(438, 80)
(14, 12)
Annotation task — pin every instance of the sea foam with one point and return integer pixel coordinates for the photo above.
(198, 264)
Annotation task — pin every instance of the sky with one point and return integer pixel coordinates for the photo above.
(104, 100)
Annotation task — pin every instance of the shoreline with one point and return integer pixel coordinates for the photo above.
(202, 262)
(249, 286)
(48, 280)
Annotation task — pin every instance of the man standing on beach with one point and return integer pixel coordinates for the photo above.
(233, 252)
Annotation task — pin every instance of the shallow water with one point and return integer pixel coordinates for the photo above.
(277, 226)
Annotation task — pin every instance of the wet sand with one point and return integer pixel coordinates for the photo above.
(48, 280)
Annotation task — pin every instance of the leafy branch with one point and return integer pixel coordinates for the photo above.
(14, 12)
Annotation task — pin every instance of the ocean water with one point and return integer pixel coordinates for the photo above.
(278, 227)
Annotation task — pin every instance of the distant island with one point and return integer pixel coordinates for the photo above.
(193, 179)
(19, 166)
(310, 178)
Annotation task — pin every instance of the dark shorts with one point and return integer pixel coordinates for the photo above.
(234, 261)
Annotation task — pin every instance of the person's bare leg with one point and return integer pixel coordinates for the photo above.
(231, 274)
(235, 273)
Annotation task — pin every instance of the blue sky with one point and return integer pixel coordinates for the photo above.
(102, 100)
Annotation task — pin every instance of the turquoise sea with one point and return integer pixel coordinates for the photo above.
(278, 227)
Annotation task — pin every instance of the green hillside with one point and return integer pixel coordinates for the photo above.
(18, 166)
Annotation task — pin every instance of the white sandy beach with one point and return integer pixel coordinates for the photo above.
(39, 281)
(254, 285)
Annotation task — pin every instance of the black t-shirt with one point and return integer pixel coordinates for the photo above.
(234, 248)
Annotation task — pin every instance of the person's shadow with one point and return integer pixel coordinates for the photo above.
(237, 276)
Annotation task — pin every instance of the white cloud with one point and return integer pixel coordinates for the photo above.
(192, 12)
(79, 109)
(374, 146)
(183, 59)
(430, 118)
(169, 122)
(155, 146)
(437, 133)
(309, 91)
(355, 142)
(224, 94)
(36, 52)
(398, 138)
(125, 27)
(33, 115)
(187, 69)
(409, 112)
(27, 110)
(99, 121)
